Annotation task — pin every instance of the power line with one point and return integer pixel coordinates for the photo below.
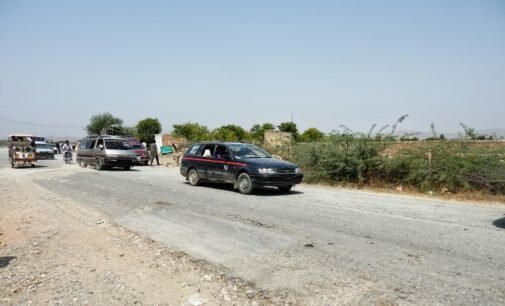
(41, 124)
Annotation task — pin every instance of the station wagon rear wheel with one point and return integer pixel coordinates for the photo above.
(193, 177)
(244, 184)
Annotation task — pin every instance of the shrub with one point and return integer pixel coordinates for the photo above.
(431, 166)
(457, 167)
(355, 160)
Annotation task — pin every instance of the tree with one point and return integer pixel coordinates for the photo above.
(469, 132)
(289, 127)
(100, 122)
(395, 125)
(129, 130)
(311, 135)
(258, 131)
(230, 132)
(191, 131)
(147, 128)
(434, 133)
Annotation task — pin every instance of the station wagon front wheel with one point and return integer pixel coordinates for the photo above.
(244, 184)
(99, 165)
(193, 177)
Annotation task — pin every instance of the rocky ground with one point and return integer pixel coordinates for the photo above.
(55, 252)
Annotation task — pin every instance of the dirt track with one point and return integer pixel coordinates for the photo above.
(85, 237)
(55, 251)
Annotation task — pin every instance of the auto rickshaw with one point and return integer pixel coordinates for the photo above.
(22, 150)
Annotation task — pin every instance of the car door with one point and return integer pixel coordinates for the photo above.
(85, 151)
(201, 160)
(232, 166)
(221, 166)
(209, 162)
(99, 153)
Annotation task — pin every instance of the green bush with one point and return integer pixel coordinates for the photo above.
(354, 160)
(454, 167)
(439, 166)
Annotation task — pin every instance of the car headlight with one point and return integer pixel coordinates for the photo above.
(298, 170)
(266, 171)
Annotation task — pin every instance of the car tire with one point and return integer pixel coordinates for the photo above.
(127, 168)
(99, 165)
(285, 189)
(244, 184)
(193, 177)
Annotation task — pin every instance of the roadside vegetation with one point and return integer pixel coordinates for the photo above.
(380, 158)
(470, 164)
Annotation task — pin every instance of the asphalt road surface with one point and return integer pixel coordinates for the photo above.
(326, 245)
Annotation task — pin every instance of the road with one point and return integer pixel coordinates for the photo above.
(325, 245)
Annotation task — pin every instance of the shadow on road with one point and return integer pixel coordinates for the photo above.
(30, 168)
(120, 169)
(500, 223)
(5, 260)
(261, 191)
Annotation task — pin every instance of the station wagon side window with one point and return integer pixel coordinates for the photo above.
(83, 144)
(222, 152)
(99, 142)
(193, 149)
(208, 150)
(90, 144)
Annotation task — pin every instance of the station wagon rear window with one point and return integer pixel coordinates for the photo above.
(193, 150)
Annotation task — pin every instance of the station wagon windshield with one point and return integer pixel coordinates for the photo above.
(247, 151)
(113, 144)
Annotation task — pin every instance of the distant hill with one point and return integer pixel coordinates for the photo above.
(425, 134)
(63, 138)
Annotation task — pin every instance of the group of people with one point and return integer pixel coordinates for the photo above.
(64, 147)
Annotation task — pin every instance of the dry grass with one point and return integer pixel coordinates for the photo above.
(473, 197)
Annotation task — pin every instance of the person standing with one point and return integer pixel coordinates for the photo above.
(153, 153)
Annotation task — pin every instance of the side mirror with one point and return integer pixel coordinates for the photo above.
(100, 147)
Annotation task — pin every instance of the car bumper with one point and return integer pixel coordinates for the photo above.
(141, 159)
(119, 162)
(46, 155)
(276, 179)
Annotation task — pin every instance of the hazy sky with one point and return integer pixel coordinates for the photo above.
(326, 63)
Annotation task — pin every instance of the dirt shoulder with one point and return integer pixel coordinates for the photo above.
(55, 251)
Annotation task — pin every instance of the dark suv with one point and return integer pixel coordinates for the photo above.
(244, 165)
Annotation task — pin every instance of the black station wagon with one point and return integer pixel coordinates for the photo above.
(244, 165)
